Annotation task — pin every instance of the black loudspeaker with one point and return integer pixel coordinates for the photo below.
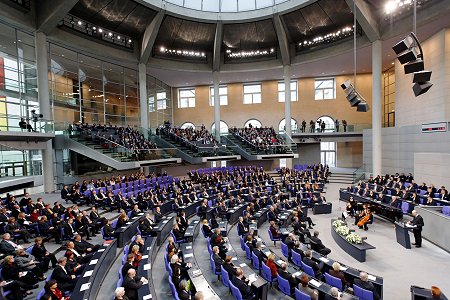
(363, 107)
(414, 66)
(422, 76)
(421, 88)
(403, 45)
(346, 85)
(408, 56)
(355, 101)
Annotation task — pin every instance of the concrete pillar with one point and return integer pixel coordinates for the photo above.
(376, 107)
(287, 99)
(216, 105)
(143, 99)
(44, 107)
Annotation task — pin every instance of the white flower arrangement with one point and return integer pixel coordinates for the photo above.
(342, 230)
(354, 238)
(338, 223)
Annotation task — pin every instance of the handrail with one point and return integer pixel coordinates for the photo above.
(252, 144)
(40, 125)
(360, 171)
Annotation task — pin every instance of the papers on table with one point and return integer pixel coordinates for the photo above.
(88, 273)
(315, 282)
(197, 273)
(325, 260)
(128, 223)
(93, 262)
(147, 297)
(147, 267)
(156, 227)
(342, 268)
(188, 247)
(123, 227)
(234, 258)
(296, 274)
(148, 248)
(85, 286)
(189, 255)
(242, 265)
(144, 256)
(252, 277)
(101, 250)
(267, 253)
(371, 277)
(280, 261)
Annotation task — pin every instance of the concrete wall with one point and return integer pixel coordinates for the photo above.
(399, 144)
(270, 112)
(433, 106)
(308, 154)
(432, 168)
(349, 154)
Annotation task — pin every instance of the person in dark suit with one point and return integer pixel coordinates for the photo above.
(229, 267)
(303, 286)
(418, 223)
(283, 272)
(65, 193)
(42, 255)
(319, 246)
(363, 282)
(84, 247)
(66, 280)
(202, 210)
(183, 293)
(258, 252)
(206, 228)
(242, 229)
(158, 215)
(244, 285)
(216, 258)
(108, 230)
(7, 246)
(127, 265)
(307, 260)
(132, 283)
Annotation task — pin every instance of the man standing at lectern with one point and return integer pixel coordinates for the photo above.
(417, 222)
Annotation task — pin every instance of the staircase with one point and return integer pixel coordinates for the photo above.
(341, 178)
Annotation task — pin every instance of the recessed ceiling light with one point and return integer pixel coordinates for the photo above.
(100, 30)
(80, 23)
(392, 63)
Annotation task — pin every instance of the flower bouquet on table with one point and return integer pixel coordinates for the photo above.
(338, 223)
(354, 238)
(343, 230)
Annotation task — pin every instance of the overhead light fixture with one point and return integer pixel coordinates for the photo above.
(410, 54)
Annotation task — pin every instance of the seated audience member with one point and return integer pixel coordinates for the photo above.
(199, 296)
(72, 265)
(315, 266)
(435, 292)
(139, 241)
(333, 294)
(283, 272)
(272, 266)
(122, 220)
(145, 225)
(52, 291)
(7, 246)
(336, 272)
(363, 282)
(319, 246)
(42, 255)
(81, 258)
(158, 215)
(84, 247)
(216, 258)
(229, 267)
(179, 268)
(108, 230)
(27, 263)
(273, 229)
(206, 228)
(14, 228)
(11, 271)
(65, 279)
(137, 256)
(128, 264)
(49, 231)
(120, 294)
(244, 285)
(179, 235)
(183, 292)
(132, 283)
(303, 286)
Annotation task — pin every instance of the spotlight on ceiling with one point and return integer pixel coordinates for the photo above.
(354, 98)
(410, 54)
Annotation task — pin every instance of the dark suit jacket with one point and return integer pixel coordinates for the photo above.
(183, 295)
(318, 242)
(6, 248)
(231, 270)
(218, 261)
(418, 221)
(145, 227)
(367, 286)
(241, 228)
(131, 286)
(38, 252)
(312, 264)
(288, 277)
(125, 269)
(244, 288)
(60, 276)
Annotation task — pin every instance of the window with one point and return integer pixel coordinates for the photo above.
(330, 126)
(161, 99)
(282, 125)
(186, 98)
(223, 127)
(187, 125)
(281, 94)
(252, 93)
(328, 153)
(255, 123)
(223, 95)
(151, 104)
(325, 89)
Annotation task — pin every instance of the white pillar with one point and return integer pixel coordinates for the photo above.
(376, 107)
(216, 105)
(143, 99)
(287, 99)
(44, 107)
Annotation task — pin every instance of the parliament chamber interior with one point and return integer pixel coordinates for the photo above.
(224, 149)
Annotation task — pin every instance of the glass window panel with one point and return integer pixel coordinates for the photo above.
(7, 41)
(247, 99)
(282, 125)
(112, 73)
(223, 127)
(263, 3)
(211, 5)
(244, 5)
(195, 4)
(254, 122)
(177, 2)
(186, 98)
(256, 98)
(229, 6)
(223, 95)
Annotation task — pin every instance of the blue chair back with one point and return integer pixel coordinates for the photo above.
(333, 281)
(283, 285)
(29, 249)
(126, 250)
(256, 262)
(242, 243)
(308, 270)
(213, 266)
(405, 207)
(284, 249)
(173, 289)
(362, 293)
(247, 252)
(235, 292)
(225, 277)
(41, 293)
(119, 282)
(299, 295)
(120, 272)
(296, 259)
(266, 273)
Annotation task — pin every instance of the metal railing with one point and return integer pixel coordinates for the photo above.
(357, 127)
(359, 174)
(12, 123)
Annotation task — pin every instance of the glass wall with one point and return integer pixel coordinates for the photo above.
(18, 81)
(161, 111)
(90, 90)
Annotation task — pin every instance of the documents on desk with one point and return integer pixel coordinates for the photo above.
(101, 250)
(410, 226)
(147, 297)
(234, 258)
(267, 253)
(197, 273)
(189, 255)
(93, 262)
(88, 273)
(85, 286)
(342, 268)
(188, 247)
(315, 282)
(252, 277)
(242, 265)
(147, 267)
(296, 274)
(324, 259)
(144, 256)
(280, 261)
(371, 277)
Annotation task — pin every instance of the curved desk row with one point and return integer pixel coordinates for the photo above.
(145, 269)
(125, 233)
(88, 284)
(357, 251)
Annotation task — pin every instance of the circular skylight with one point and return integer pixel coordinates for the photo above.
(226, 5)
